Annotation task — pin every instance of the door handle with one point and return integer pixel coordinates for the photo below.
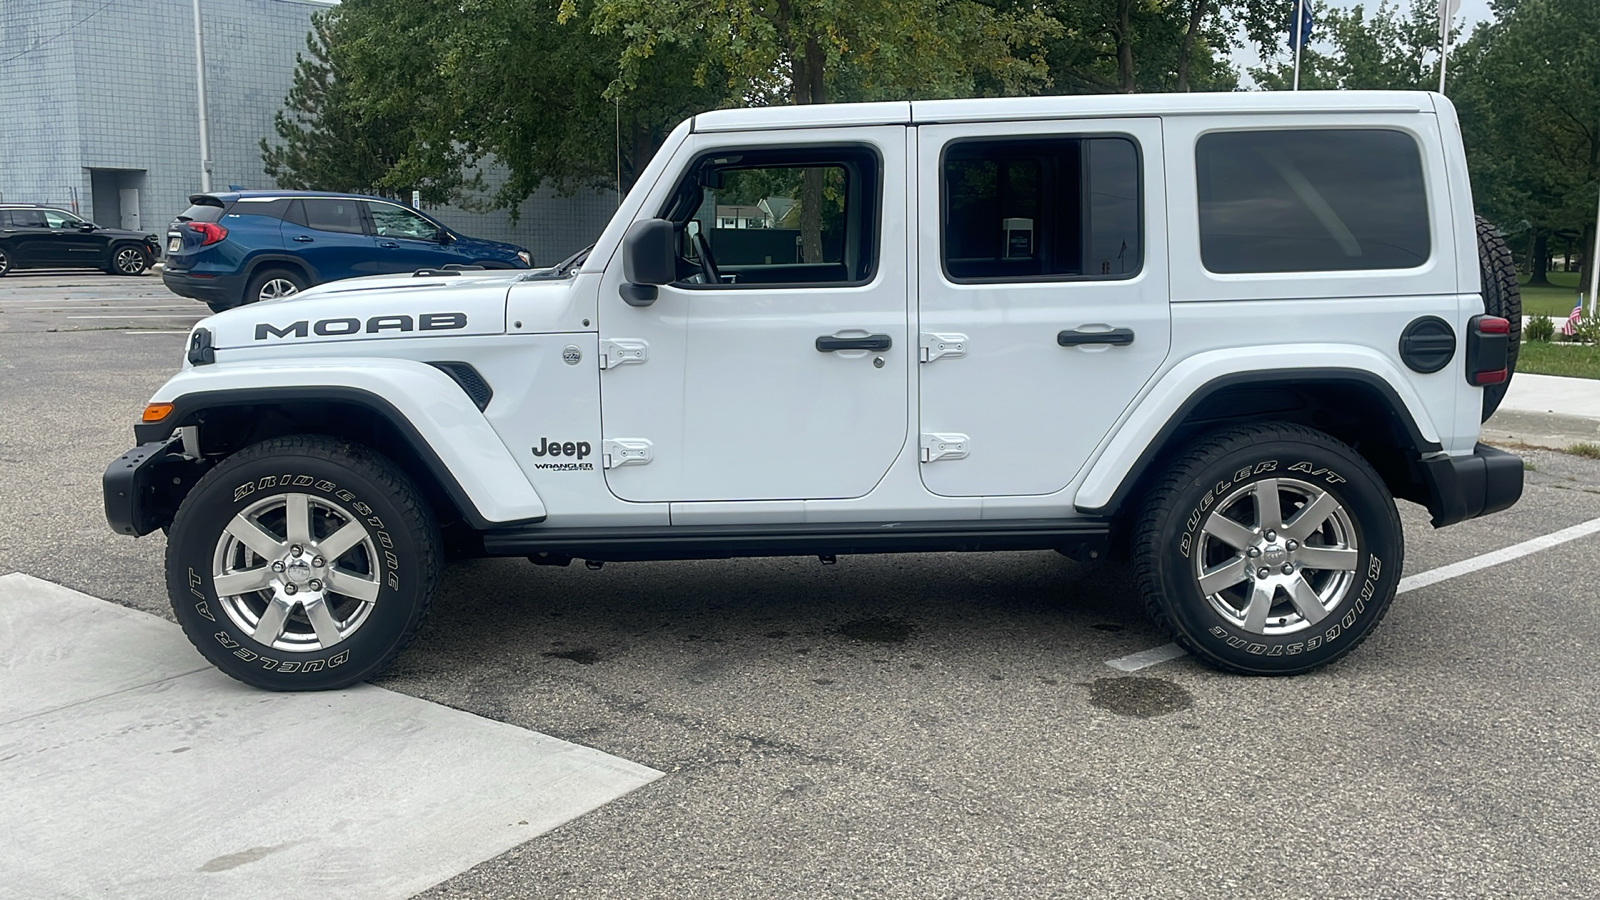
(389, 244)
(304, 239)
(828, 343)
(1117, 337)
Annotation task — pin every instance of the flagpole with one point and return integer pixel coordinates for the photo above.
(1444, 39)
(1299, 41)
(1594, 266)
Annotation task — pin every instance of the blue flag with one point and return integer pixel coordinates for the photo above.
(1303, 13)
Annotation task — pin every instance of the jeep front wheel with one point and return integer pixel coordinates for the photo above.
(1269, 550)
(302, 563)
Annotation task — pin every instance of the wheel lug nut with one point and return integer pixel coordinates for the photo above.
(1263, 572)
(1253, 552)
(290, 588)
(1272, 535)
(317, 561)
(315, 585)
(1288, 568)
(277, 566)
(296, 550)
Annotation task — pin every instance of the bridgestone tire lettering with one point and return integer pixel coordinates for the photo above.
(1167, 537)
(363, 487)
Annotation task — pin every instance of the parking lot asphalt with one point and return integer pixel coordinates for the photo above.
(938, 725)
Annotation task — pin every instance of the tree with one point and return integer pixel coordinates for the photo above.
(1397, 48)
(1527, 87)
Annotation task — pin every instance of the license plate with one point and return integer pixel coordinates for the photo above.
(174, 244)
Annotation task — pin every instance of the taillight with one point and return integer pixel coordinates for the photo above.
(210, 232)
(1488, 350)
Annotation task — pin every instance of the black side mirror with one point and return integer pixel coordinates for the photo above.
(649, 258)
(86, 226)
(444, 237)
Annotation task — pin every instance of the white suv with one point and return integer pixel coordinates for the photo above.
(1220, 332)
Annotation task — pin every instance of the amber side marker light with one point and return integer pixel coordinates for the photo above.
(155, 412)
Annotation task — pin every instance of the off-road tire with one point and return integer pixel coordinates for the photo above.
(261, 280)
(1221, 476)
(1501, 297)
(395, 562)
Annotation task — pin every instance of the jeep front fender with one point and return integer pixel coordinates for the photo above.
(446, 431)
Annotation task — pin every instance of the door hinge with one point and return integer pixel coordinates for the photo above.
(621, 351)
(935, 346)
(944, 446)
(625, 452)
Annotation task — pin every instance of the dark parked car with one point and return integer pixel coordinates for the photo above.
(43, 237)
(233, 248)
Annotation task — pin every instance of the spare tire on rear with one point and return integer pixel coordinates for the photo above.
(1501, 297)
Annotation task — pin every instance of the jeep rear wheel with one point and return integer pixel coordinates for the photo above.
(1269, 550)
(302, 563)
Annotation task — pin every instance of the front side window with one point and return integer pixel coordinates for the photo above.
(1324, 200)
(58, 219)
(389, 220)
(769, 217)
(1041, 209)
(329, 214)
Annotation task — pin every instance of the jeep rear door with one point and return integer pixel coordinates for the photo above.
(1042, 295)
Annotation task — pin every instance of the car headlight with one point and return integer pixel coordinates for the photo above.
(526, 257)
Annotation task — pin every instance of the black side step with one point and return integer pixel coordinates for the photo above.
(1079, 538)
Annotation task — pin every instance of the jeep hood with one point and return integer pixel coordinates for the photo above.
(374, 308)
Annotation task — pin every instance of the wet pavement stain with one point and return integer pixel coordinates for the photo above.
(877, 630)
(1141, 698)
(582, 656)
(234, 860)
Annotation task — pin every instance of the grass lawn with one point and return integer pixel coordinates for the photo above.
(1573, 360)
(1554, 302)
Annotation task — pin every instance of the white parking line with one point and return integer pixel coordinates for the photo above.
(155, 332)
(1144, 659)
(172, 316)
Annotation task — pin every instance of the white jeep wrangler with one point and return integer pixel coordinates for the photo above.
(1220, 332)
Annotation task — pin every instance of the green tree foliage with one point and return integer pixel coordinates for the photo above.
(1527, 87)
(1394, 48)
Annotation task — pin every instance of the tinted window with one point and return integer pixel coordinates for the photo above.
(26, 218)
(201, 212)
(273, 209)
(389, 220)
(781, 217)
(1311, 201)
(55, 218)
(334, 215)
(1041, 208)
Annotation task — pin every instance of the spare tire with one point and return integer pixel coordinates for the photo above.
(1501, 297)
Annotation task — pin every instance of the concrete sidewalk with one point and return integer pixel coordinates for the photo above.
(1547, 411)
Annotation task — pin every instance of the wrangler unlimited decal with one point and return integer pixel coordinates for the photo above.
(449, 321)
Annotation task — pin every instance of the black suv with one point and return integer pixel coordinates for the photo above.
(43, 237)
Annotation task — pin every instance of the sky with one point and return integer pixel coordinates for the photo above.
(1470, 13)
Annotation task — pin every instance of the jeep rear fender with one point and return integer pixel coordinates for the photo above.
(447, 433)
(1154, 417)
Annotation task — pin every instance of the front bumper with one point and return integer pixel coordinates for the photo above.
(1465, 487)
(144, 486)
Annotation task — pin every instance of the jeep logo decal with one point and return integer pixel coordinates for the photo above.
(449, 321)
(580, 449)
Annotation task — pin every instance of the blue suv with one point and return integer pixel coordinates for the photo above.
(233, 248)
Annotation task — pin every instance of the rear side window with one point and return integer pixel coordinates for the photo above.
(332, 214)
(272, 209)
(1321, 200)
(1042, 209)
(25, 218)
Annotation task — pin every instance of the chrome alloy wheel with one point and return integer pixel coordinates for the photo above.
(1275, 557)
(296, 572)
(274, 288)
(5, 263)
(129, 261)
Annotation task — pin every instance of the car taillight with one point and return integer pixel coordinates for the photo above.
(210, 232)
(1488, 350)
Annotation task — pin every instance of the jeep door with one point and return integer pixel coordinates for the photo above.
(1042, 295)
(776, 366)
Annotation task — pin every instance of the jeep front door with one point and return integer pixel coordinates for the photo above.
(776, 366)
(1042, 296)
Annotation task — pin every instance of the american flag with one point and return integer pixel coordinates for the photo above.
(1570, 327)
